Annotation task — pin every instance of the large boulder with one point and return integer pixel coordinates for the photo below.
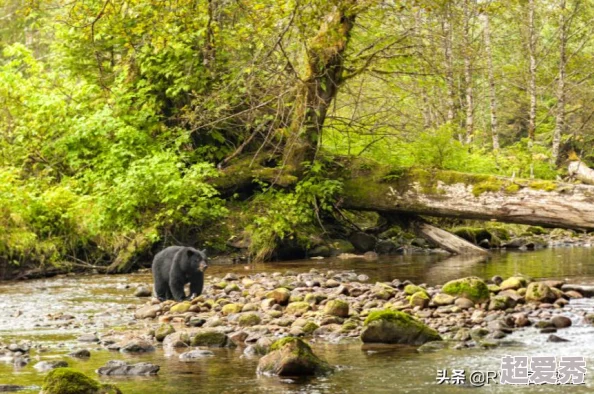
(388, 326)
(292, 357)
(472, 288)
(69, 381)
(539, 292)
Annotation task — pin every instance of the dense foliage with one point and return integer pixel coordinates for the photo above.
(117, 115)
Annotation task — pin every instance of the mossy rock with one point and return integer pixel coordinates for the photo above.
(337, 308)
(539, 292)
(281, 295)
(388, 326)
(182, 307)
(513, 283)
(494, 288)
(412, 289)
(209, 337)
(441, 299)
(292, 357)
(420, 299)
(162, 331)
(349, 325)
(309, 327)
(230, 288)
(311, 299)
(249, 319)
(500, 302)
(231, 308)
(472, 288)
(383, 291)
(69, 381)
(296, 298)
(297, 308)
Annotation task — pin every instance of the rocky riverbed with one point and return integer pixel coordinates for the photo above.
(241, 315)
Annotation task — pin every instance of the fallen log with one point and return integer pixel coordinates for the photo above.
(447, 241)
(372, 187)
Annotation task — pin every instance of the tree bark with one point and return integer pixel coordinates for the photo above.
(492, 90)
(470, 196)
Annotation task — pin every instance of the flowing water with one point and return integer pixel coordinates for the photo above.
(32, 310)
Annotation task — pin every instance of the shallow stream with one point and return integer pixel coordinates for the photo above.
(32, 311)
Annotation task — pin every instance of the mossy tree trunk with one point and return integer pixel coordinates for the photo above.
(322, 78)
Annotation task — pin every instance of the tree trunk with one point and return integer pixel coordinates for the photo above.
(468, 75)
(532, 71)
(491, 77)
(324, 75)
(560, 119)
(449, 64)
(469, 196)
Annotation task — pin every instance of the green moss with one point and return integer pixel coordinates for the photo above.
(472, 288)
(492, 185)
(412, 289)
(391, 316)
(309, 327)
(472, 234)
(512, 188)
(69, 381)
(280, 343)
(548, 186)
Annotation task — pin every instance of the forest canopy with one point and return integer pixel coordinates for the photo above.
(126, 124)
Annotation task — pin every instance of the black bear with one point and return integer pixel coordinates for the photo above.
(175, 266)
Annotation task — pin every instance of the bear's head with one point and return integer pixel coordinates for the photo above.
(198, 259)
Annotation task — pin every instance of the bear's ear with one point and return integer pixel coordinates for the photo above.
(203, 251)
(189, 252)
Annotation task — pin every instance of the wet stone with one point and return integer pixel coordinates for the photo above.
(122, 368)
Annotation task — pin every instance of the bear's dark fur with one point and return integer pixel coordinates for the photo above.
(175, 266)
